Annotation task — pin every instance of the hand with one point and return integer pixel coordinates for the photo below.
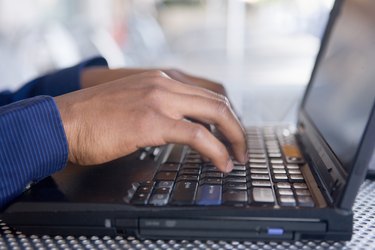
(96, 75)
(114, 119)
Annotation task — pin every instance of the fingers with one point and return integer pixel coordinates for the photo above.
(177, 101)
(200, 139)
(216, 112)
(196, 81)
(184, 101)
(160, 79)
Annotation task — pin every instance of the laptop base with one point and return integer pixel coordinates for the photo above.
(216, 223)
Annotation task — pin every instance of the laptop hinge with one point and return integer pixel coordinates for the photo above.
(313, 170)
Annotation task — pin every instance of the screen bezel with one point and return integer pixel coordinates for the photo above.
(330, 171)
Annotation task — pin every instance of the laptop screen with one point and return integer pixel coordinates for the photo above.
(342, 93)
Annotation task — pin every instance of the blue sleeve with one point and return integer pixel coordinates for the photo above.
(53, 84)
(32, 138)
(32, 144)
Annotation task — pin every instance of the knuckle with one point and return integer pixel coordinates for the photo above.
(226, 100)
(223, 108)
(223, 98)
(154, 95)
(156, 73)
(198, 132)
(157, 76)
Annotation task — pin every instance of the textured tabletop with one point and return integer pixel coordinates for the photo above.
(363, 238)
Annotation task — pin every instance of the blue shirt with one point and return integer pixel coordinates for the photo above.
(33, 144)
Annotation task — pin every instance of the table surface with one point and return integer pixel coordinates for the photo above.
(363, 237)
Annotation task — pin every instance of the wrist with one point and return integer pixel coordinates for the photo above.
(68, 124)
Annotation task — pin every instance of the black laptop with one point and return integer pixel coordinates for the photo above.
(299, 183)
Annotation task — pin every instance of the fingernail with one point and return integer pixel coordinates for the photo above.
(229, 166)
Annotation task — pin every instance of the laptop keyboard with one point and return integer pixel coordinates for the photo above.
(272, 177)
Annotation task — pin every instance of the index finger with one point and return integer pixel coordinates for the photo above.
(200, 139)
(212, 111)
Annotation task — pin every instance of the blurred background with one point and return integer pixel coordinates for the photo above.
(261, 50)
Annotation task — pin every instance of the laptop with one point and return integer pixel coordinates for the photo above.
(299, 183)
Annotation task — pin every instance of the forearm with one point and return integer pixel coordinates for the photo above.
(32, 144)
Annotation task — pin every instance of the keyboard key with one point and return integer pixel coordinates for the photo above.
(187, 177)
(287, 200)
(305, 201)
(189, 171)
(276, 161)
(162, 190)
(294, 171)
(274, 151)
(292, 153)
(167, 184)
(193, 156)
(211, 181)
(271, 142)
(193, 161)
(274, 155)
(284, 191)
(139, 198)
(159, 199)
(235, 196)
(257, 156)
(292, 166)
(272, 147)
(239, 167)
(143, 156)
(257, 151)
(209, 168)
(258, 166)
(211, 175)
(209, 195)
(279, 171)
(277, 166)
(156, 152)
(184, 193)
(235, 173)
(235, 179)
(258, 171)
(296, 177)
(283, 185)
(257, 160)
(299, 186)
(280, 177)
(262, 195)
(303, 192)
(145, 187)
(165, 176)
(260, 177)
(191, 166)
(169, 167)
(261, 183)
(236, 186)
(142, 194)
